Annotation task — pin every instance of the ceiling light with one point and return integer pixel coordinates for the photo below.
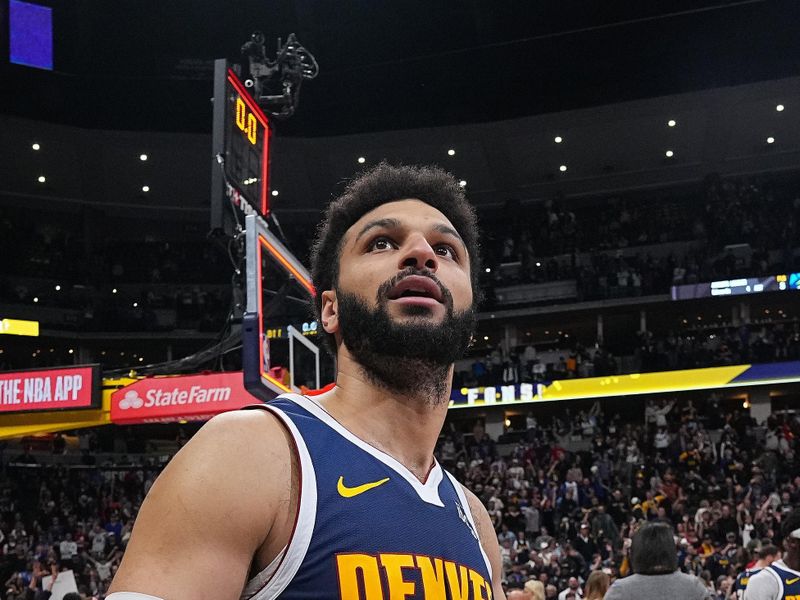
(141, 359)
(36, 298)
(135, 304)
(274, 192)
(451, 152)
(42, 179)
(486, 337)
(463, 183)
(488, 270)
(538, 264)
(562, 168)
(770, 140)
(361, 160)
(671, 123)
(558, 139)
(36, 146)
(114, 291)
(58, 288)
(780, 107)
(669, 154)
(71, 351)
(143, 157)
(145, 188)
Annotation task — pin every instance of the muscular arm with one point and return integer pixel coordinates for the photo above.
(217, 502)
(488, 540)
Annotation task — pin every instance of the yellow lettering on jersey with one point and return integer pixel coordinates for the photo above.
(457, 581)
(349, 566)
(433, 577)
(478, 583)
(393, 564)
(382, 577)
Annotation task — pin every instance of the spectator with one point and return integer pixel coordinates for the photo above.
(535, 589)
(654, 561)
(597, 585)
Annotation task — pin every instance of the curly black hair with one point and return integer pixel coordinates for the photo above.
(379, 185)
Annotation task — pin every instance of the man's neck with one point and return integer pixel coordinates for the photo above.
(406, 427)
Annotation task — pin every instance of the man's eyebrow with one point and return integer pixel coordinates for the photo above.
(441, 228)
(388, 223)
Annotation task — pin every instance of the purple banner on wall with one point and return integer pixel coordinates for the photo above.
(30, 34)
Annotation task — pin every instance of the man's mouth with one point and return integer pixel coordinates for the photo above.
(416, 289)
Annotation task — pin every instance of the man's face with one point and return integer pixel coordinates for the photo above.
(404, 289)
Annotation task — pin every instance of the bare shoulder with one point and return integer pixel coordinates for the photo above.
(210, 510)
(488, 539)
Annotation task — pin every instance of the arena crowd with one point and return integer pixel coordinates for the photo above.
(565, 499)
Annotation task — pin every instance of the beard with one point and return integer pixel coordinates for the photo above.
(413, 357)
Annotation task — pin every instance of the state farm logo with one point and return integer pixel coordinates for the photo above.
(161, 397)
(131, 400)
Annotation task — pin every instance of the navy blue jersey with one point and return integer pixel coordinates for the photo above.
(367, 528)
(740, 585)
(775, 582)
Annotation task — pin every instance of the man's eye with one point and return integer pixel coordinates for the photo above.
(445, 250)
(381, 243)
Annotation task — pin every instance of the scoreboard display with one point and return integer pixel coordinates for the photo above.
(241, 144)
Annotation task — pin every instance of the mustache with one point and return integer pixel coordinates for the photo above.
(386, 286)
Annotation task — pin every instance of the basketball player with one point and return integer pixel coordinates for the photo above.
(767, 554)
(781, 579)
(339, 496)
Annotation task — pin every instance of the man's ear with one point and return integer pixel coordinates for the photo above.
(330, 312)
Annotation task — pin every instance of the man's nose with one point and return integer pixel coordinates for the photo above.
(418, 253)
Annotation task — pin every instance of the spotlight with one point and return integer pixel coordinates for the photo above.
(145, 188)
(558, 139)
(562, 168)
(671, 123)
(451, 152)
(114, 291)
(770, 140)
(463, 183)
(42, 179)
(135, 304)
(488, 270)
(669, 154)
(71, 351)
(36, 298)
(486, 338)
(780, 107)
(58, 288)
(361, 160)
(36, 146)
(274, 192)
(143, 157)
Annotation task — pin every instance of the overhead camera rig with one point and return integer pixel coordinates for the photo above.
(276, 83)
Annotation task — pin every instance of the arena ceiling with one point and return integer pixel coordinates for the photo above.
(147, 65)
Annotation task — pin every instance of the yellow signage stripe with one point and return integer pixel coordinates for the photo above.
(19, 327)
(642, 383)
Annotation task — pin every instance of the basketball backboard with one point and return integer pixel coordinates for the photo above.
(281, 339)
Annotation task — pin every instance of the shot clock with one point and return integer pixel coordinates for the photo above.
(241, 137)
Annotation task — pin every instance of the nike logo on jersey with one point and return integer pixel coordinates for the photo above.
(791, 581)
(350, 492)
